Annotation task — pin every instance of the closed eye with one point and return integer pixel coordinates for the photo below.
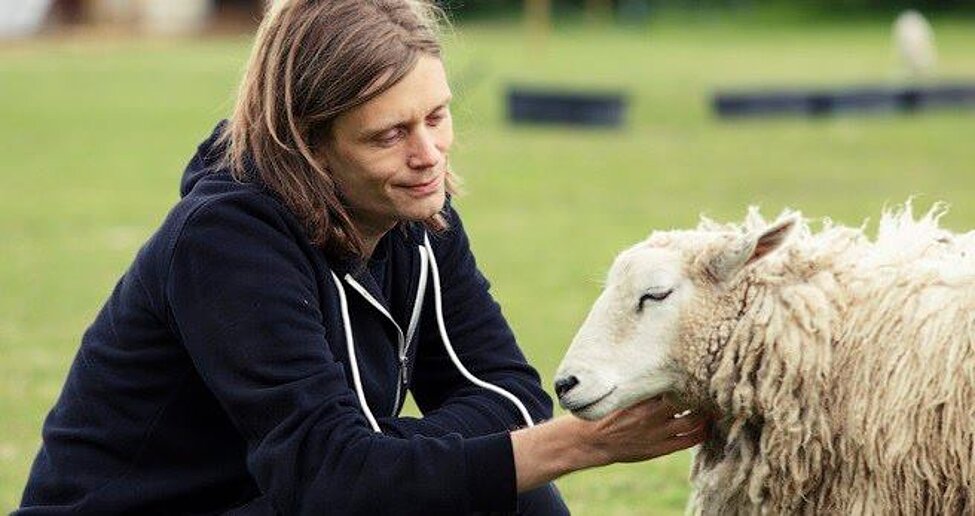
(438, 116)
(390, 136)
(652, 296)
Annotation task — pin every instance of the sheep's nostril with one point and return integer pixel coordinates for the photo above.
(564, 385)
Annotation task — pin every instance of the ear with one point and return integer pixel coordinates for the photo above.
(747, 249)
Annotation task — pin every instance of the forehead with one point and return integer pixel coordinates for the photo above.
(422, 89)
(645, 265)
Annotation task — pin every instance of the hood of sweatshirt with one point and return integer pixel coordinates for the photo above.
(206, 161)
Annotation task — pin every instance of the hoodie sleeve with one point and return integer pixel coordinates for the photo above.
(485, 345)
(242, 296)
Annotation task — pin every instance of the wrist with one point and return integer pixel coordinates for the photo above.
(584, 450)
(552, 449)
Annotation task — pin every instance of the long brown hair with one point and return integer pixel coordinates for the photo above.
(312, 61)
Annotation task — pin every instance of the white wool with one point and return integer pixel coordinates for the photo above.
(842, 367)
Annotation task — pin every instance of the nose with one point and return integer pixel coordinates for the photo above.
(425, 153)
(564, 385)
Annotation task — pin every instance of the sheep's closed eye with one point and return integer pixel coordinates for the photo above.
(652, 296)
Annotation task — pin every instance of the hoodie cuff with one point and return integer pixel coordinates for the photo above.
(491, 480)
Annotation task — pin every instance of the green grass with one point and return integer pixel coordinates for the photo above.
(94, 136)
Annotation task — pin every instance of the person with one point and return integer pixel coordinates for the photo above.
(255, 356)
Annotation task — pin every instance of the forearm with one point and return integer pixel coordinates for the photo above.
(549, 450)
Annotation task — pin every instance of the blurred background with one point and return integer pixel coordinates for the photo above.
(103, 101)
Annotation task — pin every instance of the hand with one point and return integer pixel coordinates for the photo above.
(644, 431)
(565, 444)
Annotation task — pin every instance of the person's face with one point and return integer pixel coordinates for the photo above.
(389, 155)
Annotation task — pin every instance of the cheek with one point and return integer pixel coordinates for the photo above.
(445, 136)
(376, 171)
(362, 185)
(655, 347)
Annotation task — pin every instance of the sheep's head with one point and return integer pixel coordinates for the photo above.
(662, 298)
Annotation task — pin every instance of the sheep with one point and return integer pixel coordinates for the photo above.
(841, 369)
(914, 40)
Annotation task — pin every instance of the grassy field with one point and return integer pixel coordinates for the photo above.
(95, 133)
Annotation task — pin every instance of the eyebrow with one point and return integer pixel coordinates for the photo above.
(372, 132)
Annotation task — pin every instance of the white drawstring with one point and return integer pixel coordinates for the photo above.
(350, 347)
(350, 343)
(450, 349)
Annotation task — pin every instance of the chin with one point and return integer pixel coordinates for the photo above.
(426, 208)
(593, 413)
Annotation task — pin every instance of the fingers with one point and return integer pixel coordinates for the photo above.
(685, 424)
(648, 429)
(685, 440)
(655, 409)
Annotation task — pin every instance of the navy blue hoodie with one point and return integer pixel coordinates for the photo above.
(217, 375)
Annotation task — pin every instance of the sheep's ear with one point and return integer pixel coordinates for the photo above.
(773, 237)
(750, 248)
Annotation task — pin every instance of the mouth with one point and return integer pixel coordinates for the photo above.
(424, 189)
(577, 408)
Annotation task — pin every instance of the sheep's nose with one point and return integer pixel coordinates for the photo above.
(564, 385)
